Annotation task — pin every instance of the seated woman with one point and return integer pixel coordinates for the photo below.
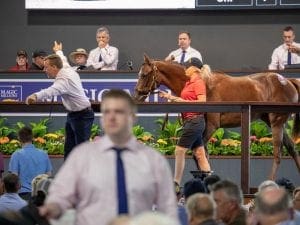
(194, 122)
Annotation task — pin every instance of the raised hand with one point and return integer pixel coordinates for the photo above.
(57, 46)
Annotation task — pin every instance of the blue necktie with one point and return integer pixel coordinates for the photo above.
(182, 57)
(100, 58)
(289, 58)
(121, 183)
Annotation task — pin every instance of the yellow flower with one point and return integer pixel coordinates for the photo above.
(146, 137)
(162, 141)
(51, 136)
(230, 142)
(4, 140)
(225, 142)
(14, 141)
(265, 139)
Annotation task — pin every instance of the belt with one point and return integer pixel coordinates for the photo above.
(194, 117)
(87, 109)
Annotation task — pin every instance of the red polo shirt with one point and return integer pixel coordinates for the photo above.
(191, 90)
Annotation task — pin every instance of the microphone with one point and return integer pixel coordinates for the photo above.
(130, 64)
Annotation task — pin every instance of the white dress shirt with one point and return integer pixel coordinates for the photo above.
(67, 84)
(190, 53)
(110, 57)
(280, 55)
(87, 182)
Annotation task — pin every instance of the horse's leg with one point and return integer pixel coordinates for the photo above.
(212, 123)
(287, 142)
(179, 163)
(277, 125)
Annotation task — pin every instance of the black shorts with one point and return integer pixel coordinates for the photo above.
(192, 134)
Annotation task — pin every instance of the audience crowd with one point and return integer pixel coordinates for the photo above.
(106, 57)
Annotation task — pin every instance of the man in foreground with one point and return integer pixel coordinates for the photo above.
(113, 175)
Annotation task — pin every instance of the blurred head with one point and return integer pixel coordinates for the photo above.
(79, 57)
(210, 180)
(21, 58)
(40, 186)
(25, 135)
(152, 218)
(38, 58)
(193, 186)
(11, 183)
(184, 40)
(52, 66)
(120, 220)
(288, 35)
(266, 184)
(102, 37)
(200, 207)
(118, 113)
(296, 198)
(228, 197)
(272, 205)
(286, 184)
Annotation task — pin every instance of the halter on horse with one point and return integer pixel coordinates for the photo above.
(265, 87)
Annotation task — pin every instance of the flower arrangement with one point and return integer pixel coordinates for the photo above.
(222, 142)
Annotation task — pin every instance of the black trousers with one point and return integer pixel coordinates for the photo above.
(78, 128)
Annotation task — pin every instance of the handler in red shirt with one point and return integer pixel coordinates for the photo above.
(194, 122)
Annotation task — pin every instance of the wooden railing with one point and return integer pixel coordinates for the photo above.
(245, 108)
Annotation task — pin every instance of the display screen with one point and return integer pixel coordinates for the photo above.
(246, 4)
(109, 4)
(161, 4)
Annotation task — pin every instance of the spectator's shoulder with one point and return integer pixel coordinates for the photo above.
(93, 50)
(113, 47)
(16, 153)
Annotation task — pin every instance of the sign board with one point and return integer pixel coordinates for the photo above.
(19, 89)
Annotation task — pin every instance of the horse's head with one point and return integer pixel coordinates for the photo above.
(147, 80)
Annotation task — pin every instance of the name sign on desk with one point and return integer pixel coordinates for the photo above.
(19, 89)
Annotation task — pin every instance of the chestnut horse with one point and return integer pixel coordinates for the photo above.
(264, 87)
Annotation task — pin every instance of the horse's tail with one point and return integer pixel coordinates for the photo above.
(296, 127)
(206, 71)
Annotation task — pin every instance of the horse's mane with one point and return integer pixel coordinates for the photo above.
(170, 66)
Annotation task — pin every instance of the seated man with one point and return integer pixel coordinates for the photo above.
(79, 59)
(38, 57)
(21, 62)
(104, 57)
(10, 200)
(185, 51)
